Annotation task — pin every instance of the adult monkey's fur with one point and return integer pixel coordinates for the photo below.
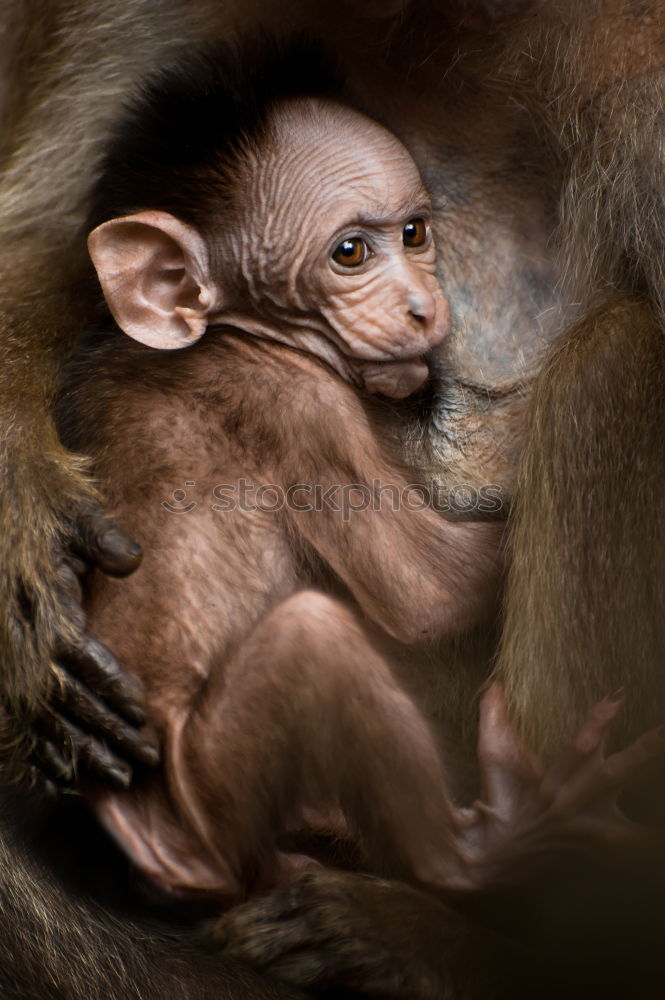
(550, 123)
(54, 945)
(595, 452)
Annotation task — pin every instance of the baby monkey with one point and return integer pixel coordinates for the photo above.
(285, 241)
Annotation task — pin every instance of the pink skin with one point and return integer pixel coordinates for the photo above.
(350, 179)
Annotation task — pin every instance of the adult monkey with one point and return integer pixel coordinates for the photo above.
(501, 128)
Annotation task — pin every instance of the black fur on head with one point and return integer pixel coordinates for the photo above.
(183, 136)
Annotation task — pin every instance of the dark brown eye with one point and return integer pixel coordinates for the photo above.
(351, 253)
(414, 233)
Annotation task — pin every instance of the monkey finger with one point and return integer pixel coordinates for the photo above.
(73, 744)
(591, 735)
(80, 705)
(292, 951)
(53, 765)
(585, 753)
(37, 779)
(252, 934)
(301, 968)
(70, 593)
(620, 767)
(93, 663)
(78, 564)
(71, 568)
(90, 755)
(272, 909)
(507, 767)
(592, 794)
(99, 540)
(307, 935)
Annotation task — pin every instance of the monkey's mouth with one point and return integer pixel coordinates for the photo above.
(396, 379)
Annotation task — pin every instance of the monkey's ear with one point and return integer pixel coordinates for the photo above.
(155, 276)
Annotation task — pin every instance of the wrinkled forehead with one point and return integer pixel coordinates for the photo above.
(327, 165)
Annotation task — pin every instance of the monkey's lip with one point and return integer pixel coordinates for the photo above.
(397, 379)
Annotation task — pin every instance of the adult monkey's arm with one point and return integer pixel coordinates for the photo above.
(55, 112)
(63, 694)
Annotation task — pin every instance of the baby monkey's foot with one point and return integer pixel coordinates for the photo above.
(527, 811)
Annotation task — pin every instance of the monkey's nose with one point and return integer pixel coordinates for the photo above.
(429, 315)
(421, 307)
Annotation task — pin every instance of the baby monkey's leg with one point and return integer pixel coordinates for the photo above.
(309, 712)
(330, 928)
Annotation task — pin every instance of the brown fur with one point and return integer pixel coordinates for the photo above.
(48, 41)
(591, 471)
(41, 930)
(549, 127)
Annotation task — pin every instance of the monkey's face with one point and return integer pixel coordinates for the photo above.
(327, 248)
(379, 295)
(345, 254)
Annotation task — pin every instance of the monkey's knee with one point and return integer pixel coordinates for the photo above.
(311, 618)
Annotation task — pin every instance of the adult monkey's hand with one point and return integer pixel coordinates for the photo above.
(87, 725)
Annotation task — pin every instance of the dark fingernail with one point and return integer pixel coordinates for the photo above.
(135, 714)
(50, 790)
(78, 565)
(120, 777)
(114, 541)
(150, 756)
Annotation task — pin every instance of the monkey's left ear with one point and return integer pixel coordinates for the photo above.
(155, 275)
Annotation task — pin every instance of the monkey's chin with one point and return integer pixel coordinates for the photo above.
(396, 379)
